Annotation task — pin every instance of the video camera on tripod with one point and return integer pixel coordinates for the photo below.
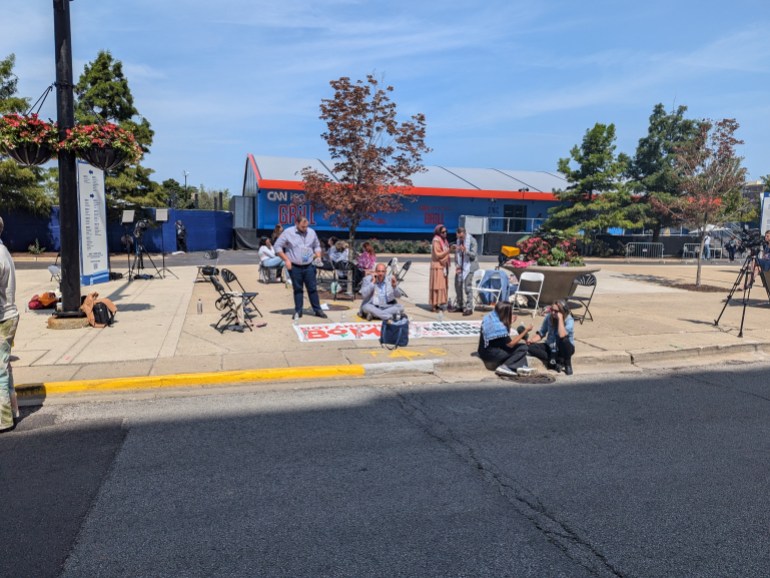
(750, 240)
(140, 227)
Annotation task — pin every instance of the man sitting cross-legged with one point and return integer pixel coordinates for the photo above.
(379, 296)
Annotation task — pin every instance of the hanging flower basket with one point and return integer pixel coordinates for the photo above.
(27, 139)
(105, 146)
(30, 154)
(105, 158)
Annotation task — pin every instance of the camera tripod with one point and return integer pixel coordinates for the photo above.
(138, 264)
(745, 282)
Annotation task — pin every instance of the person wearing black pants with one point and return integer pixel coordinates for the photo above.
(497, 348)
(298, 246)
(558, 330)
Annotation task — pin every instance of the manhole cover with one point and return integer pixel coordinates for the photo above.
(536, 379)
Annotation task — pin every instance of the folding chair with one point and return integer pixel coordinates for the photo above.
(326, 272)
(230, 279)
(232, 306)
(489, 295)
(205, 272)
(55, 272)
(580, 296)
(530, 287)
(401, 272)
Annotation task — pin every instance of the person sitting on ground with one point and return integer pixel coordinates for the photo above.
(268, 258)
(558, 329)
(379, 296)
(496, 346)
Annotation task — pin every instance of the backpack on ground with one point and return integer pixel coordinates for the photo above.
(102, 314)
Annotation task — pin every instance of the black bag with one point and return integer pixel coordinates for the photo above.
(395, 333)
(102, 314)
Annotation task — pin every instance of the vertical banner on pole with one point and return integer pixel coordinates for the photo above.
(92, 212)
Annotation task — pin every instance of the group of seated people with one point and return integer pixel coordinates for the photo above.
(506, 348)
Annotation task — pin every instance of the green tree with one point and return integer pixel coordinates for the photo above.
(652, 170)
(374, 154)
(103, 95)
(20, 187)
(596, 197)
(210, 198)
(176, 195)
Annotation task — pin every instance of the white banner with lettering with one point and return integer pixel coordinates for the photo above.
(92, 214)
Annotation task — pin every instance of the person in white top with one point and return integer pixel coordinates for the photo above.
(268, 258)
(9, 321)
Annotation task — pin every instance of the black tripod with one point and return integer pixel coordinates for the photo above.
(744, 282)
(138, 264)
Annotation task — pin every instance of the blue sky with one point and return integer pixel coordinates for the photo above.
(503, 83)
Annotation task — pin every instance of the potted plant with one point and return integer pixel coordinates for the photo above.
(105, 146)
(27, 139)
(554, 255)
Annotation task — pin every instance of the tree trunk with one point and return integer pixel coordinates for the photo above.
(700, 257)
(352, 256)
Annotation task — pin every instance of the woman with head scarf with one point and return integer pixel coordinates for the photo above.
(439, 270)
(558, 330)
(496, 346)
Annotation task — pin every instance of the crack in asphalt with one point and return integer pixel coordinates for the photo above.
(524, 501)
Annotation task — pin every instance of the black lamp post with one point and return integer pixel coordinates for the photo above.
(68, 202)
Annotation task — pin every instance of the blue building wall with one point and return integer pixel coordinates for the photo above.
(206, 230)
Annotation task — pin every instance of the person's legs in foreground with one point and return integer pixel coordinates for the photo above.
(295, 274)
(9, 407)
(309, 279)
(564, 355)
(384, 313)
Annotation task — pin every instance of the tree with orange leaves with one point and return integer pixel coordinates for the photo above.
(710, 178)
(374, 155)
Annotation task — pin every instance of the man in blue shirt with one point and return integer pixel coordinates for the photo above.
(379, 296)
(298, 246)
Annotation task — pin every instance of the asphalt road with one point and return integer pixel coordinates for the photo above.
(655, 475)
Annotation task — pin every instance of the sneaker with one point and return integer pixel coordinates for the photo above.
(467, 312)
(297, 316)
(568, 369)
(505, 371)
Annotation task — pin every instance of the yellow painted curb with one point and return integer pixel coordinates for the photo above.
(189, 379)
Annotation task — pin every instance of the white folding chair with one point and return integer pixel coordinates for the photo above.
(529, 289)
(492, 293)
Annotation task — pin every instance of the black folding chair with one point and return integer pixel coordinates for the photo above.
(232, 305)
(231, 280)
(401, 273)
(206, 271)
(581, 294)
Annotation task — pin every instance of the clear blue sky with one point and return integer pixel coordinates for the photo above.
(503, 83)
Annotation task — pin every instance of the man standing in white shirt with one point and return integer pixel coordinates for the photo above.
(9, 321)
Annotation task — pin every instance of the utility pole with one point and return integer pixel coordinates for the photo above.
(68, 201)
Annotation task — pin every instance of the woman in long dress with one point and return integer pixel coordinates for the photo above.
(439, 269)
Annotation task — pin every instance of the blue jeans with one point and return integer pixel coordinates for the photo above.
(304, 275)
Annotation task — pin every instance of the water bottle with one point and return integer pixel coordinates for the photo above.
(200, 306)
(343, 317)
(440, 315)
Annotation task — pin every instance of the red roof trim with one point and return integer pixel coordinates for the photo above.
(433, 192)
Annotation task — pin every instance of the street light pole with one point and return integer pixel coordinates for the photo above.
(68, 202)
(185, 184)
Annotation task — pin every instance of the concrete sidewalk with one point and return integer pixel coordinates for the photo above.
(159, 339)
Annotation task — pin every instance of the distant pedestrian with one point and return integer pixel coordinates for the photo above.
(9, 321)
(465, 263)
(730, 246)
(181, 236)
(277, 230)
(298, 246)
(439, 270)
(707, 247)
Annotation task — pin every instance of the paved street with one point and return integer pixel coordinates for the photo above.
(651, 474)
